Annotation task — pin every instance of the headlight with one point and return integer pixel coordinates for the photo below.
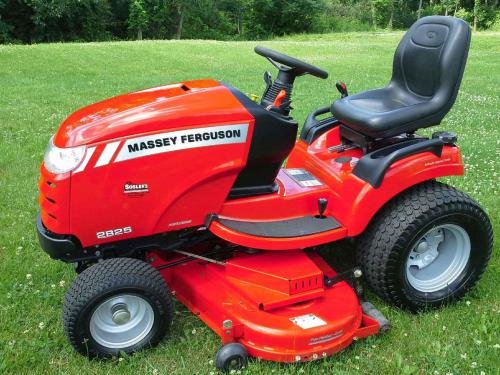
(62, 160)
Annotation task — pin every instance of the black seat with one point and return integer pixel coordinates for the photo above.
(427, 70)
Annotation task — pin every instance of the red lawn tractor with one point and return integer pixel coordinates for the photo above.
(181, 190)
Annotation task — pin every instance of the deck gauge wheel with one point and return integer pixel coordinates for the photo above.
(230, 357)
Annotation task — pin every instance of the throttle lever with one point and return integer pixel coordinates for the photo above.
(279, 98)
(279, 105)
(342, 88)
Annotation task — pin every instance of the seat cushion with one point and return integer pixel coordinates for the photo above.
(382, 113)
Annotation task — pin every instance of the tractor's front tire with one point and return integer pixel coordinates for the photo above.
(427, 247)
(118, 305)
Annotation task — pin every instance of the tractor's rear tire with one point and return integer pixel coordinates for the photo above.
(426, 247)
(118, 305)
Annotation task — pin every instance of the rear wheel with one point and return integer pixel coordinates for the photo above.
(428, 246)
(118, 305)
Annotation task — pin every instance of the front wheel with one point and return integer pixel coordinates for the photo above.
(427, 247)
(118, 305)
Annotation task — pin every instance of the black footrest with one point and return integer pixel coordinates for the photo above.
(298, 227)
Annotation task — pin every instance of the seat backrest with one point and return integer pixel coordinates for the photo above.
(430, 60)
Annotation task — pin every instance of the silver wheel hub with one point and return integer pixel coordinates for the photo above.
(121, 321)
(438, 258)
(120, 314)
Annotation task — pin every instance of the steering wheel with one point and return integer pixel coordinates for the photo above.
(296, 66)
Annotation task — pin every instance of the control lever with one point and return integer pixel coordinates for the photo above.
(279, 98)
(279, 105)
(341, 86)
(322, 203)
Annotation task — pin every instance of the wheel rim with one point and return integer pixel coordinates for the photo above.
(235, 363)
(438, 258)
(121, 321)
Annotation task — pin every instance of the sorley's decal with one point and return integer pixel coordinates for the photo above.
(181, 140)
(135, 190)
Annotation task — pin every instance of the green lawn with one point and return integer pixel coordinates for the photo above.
(40, 85)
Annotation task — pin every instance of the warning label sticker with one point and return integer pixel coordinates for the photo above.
(303, 177)
(308, 321)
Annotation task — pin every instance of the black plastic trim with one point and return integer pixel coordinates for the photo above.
(59, 246)
(298, 227)
(69, 249)
(373, 166)
(313, 127)
(273, 138)
(241, 192)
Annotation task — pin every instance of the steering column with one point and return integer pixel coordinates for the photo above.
(287, 72)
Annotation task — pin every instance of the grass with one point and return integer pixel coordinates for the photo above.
(42, 84)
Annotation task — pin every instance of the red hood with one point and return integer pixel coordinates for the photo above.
(177, 105)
